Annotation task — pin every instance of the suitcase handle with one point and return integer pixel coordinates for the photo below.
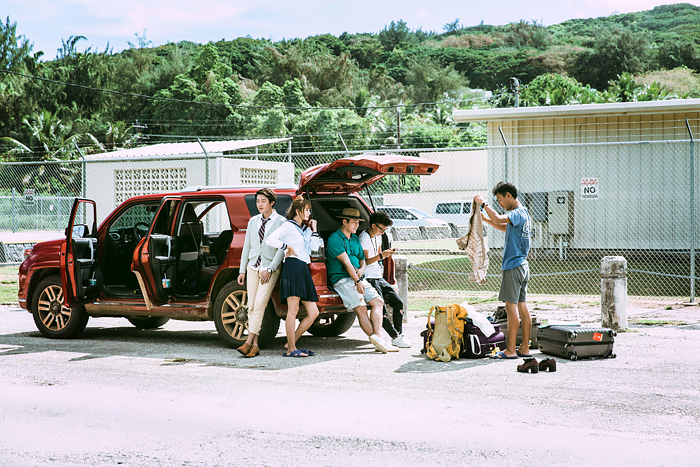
(475, 344)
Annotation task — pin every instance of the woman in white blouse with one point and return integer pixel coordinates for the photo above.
(296, 285)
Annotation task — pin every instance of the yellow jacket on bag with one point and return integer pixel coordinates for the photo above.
(447, 332)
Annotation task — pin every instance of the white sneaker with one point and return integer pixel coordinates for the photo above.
(390, 347)
(378, 343)
(402, 341)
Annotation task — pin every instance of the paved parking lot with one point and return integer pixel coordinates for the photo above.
(178, 396)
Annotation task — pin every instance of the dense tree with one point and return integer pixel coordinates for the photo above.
(209, 89)
(615, 50)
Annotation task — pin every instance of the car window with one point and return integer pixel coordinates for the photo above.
(163, 222)
(467, 208)
(216, 219)
(281, 205)
(447, 208)
(211, 214)
(136, 213)
(418, 213)
(395, 213)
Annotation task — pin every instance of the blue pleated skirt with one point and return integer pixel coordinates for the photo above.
(295, 281)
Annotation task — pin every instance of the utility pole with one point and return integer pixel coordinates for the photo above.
(398, 128)
(515, 85)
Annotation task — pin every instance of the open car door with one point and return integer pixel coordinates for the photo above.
(78, 261)
(153, 262)
(352, 174)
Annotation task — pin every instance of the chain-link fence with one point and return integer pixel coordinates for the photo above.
(586, 201)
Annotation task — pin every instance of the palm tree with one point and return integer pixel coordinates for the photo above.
(49, 140)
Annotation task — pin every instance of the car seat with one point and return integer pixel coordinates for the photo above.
(219, 247)
(191, 231)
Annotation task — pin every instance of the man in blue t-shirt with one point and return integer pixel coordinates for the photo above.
(514, 268)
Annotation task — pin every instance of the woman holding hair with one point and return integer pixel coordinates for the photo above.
(296, 284)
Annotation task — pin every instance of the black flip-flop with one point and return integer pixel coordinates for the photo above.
(524, 355)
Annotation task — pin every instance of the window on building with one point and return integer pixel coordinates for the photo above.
(255, 176)
(135, 182)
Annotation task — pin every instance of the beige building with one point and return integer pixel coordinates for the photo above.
(600, 176)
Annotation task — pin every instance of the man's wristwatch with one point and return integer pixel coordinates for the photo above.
(483, 205)
(269, 270)
(358, 281)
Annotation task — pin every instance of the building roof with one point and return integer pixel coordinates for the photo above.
(183, 149)
(583, 110)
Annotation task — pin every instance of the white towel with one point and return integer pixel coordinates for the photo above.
(480, 320)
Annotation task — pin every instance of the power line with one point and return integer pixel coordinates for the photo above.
(238, 106)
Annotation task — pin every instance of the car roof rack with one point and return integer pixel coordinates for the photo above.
(279, 186)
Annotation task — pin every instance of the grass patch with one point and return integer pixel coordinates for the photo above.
(579, 277)
(8, 294)
(658, 322)
(424, 301)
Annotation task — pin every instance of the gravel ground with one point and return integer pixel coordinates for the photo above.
(177, 396)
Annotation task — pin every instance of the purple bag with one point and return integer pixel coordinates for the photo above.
(477, 345)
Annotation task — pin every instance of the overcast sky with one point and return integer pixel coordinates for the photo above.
(47, 22)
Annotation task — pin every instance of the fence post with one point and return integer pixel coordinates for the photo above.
(13, 209)
(613, 292)
(693, 227)
(401, 272)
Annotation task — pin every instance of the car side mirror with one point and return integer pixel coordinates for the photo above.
(80, 231)
(411, 217)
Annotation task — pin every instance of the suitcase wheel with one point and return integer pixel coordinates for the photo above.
(571, 335)
(612, 355)
(574, 357)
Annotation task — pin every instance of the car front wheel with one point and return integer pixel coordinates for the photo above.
(231, 317)
(51, 316)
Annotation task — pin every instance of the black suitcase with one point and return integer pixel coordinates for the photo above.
(575, 342)
(500, 318)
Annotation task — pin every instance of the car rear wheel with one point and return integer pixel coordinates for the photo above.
(51, 316)
(148, 322)
(231, 317)
(332, 325)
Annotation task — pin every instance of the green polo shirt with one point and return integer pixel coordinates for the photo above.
(337, 245)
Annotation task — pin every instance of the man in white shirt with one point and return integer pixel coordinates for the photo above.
(371, 242)
(261, 264)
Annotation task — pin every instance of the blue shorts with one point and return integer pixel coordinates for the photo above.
(514, 284)
(347, 290)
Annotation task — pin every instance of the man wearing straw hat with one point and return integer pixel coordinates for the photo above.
(346, 265)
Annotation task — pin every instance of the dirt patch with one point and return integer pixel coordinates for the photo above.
(584, 308)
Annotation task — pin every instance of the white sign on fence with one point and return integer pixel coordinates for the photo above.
(29, 196)
(589, 188)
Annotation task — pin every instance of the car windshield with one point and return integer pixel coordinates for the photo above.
(419, 214)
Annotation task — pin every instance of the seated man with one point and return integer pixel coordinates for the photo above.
(371, 242)
(346, 264)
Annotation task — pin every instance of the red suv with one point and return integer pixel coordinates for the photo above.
(176, 255)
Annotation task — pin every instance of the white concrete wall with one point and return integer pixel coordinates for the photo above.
(459, 171)
(101, 177)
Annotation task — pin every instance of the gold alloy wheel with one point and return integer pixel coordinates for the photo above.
(52, 312)
(234, 314)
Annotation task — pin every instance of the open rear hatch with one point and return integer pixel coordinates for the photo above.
(352, 174)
